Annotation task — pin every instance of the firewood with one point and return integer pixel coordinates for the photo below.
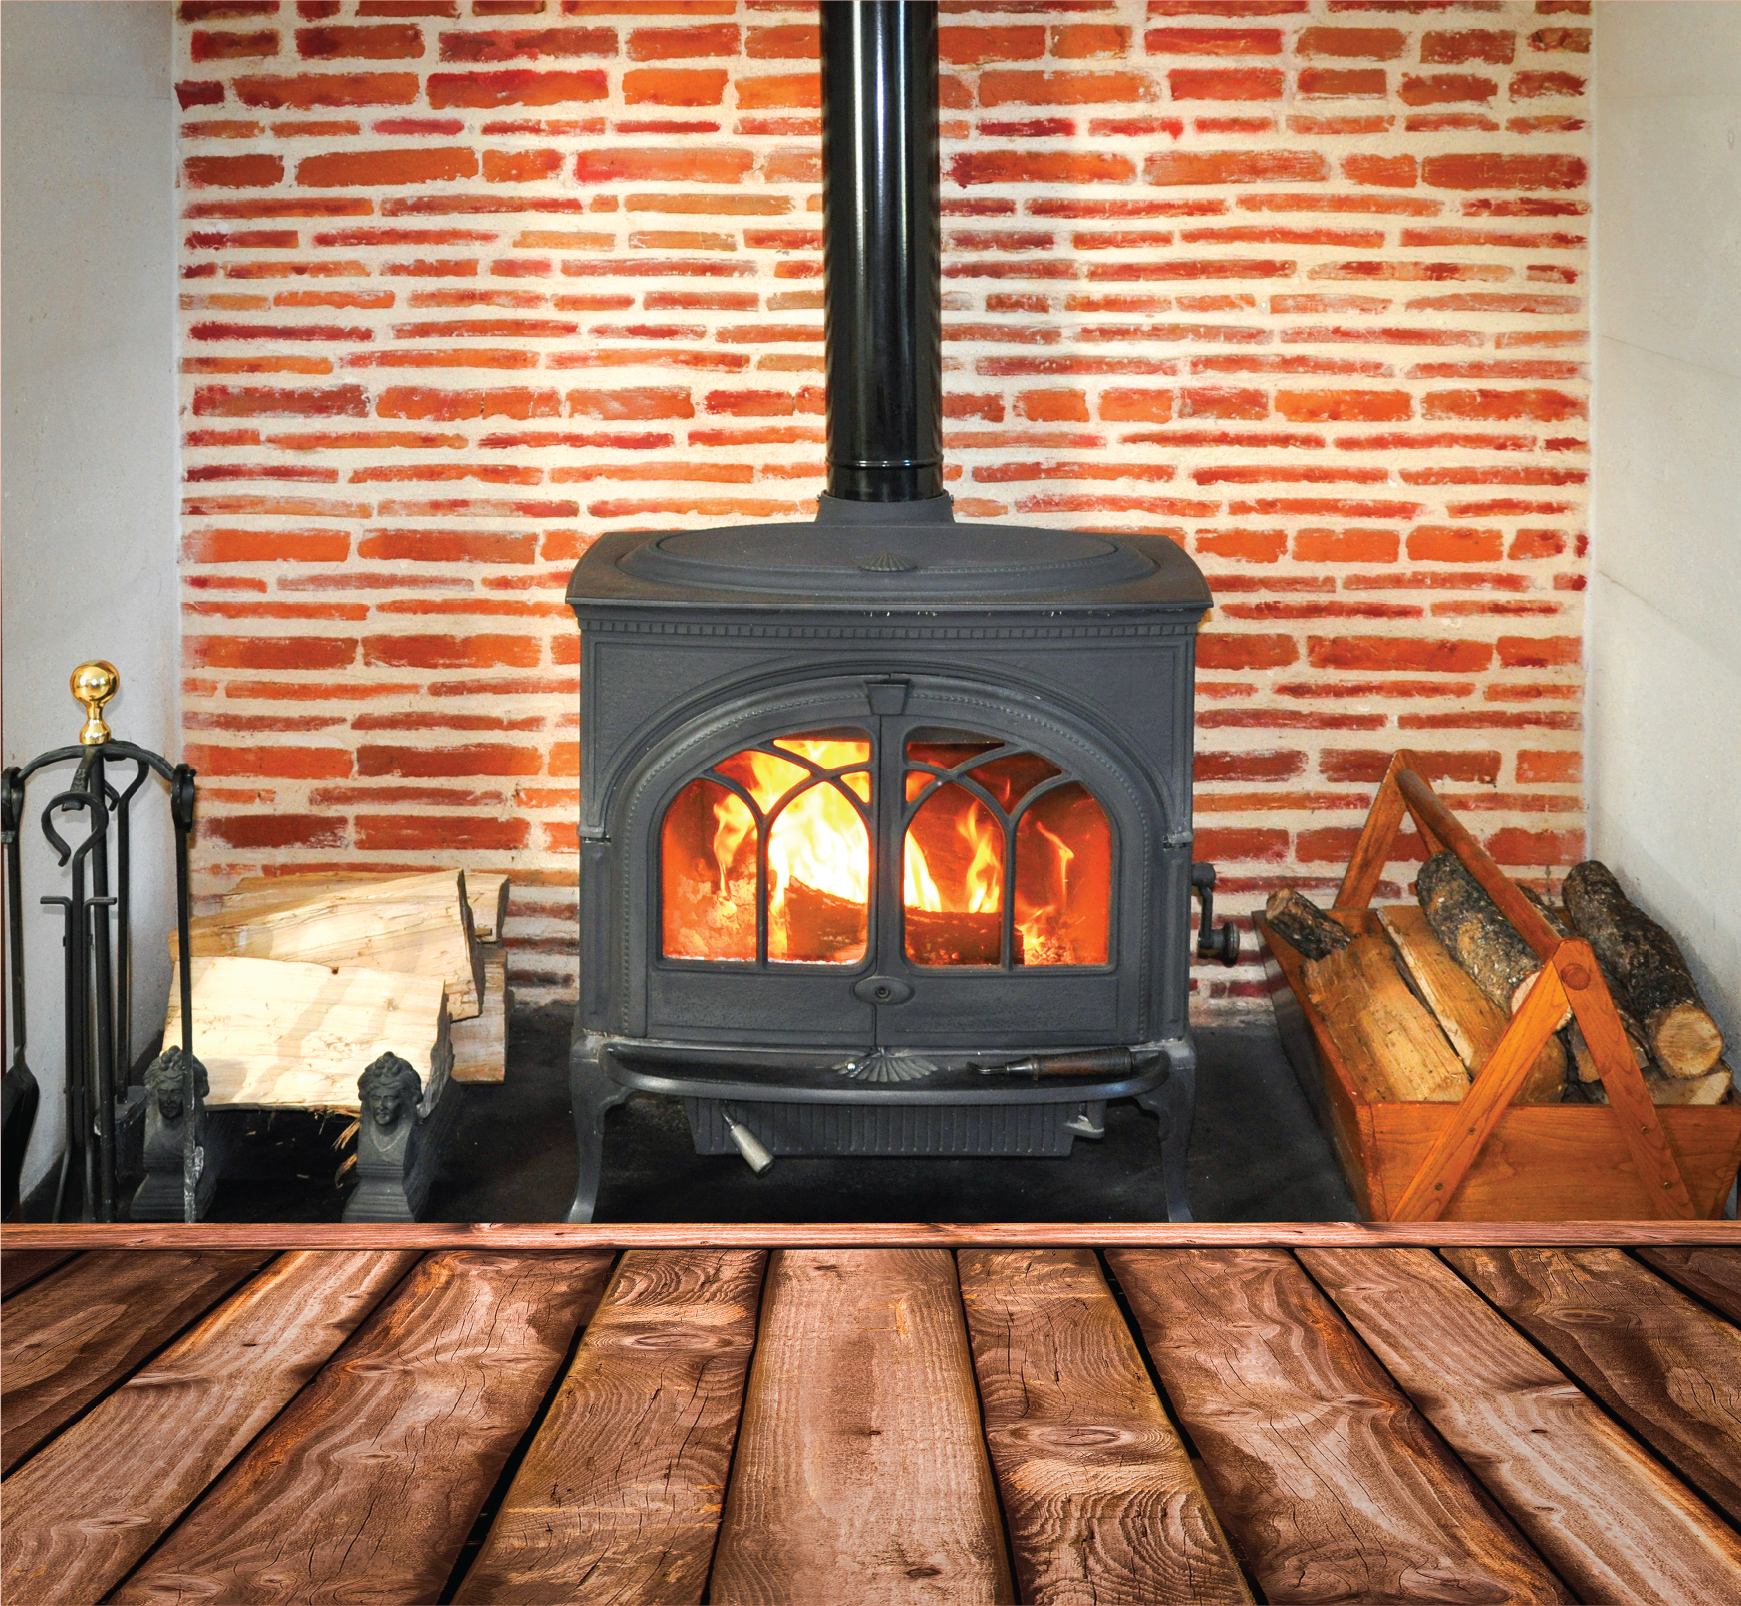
(1472, 1021)
(420, 924)
(1304, 924)
(486, 892)
(1475, 933)
(480, 1045)
(271, 1032)
(1391, 1043)
(1683, 1038)
(1711, 1088)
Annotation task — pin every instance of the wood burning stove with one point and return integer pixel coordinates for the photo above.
(885, 820)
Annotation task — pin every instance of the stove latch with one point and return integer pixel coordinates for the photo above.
(1213, 942)
(882, 990)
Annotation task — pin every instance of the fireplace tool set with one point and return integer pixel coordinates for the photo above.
(103, 1115)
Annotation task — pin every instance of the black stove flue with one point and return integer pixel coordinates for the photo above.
(885, 819)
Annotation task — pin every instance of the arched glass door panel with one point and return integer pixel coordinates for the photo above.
(708, 878)
(1063, 891)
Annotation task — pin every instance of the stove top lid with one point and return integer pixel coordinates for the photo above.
(896, 553)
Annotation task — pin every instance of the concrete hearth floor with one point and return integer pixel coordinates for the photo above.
(1256, 1155)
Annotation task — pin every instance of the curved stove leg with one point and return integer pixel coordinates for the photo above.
(1175, 1102)
(591, 1092)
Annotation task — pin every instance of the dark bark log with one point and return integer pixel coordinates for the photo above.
(1478, 936)
(1304, 924)
(1683, 1038)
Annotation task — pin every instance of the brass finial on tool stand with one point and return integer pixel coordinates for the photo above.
(93, 685)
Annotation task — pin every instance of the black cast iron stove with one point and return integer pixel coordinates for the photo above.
(885, 820)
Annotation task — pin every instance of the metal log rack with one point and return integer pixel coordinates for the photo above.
(98, 939)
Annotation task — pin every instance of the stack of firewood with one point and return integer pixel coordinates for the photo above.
(300, 982)
(1420, 1008)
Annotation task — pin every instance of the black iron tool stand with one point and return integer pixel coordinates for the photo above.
(97, 919)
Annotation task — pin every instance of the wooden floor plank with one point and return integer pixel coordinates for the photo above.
(1714, 1274)
(19, 1268)
(83, 1328)
(1614, 1522)
(364, 1489)
(1665, 1366)
(619, 1496)
(161, 1438)
(1098, 1491)
(861, 1472)
(1329, 1481)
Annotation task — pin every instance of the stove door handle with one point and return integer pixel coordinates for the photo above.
(882, 990)
(1213, 942)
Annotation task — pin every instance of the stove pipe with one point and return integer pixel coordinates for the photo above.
(882, 302)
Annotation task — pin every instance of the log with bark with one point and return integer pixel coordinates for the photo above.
(1683, 1038)
(1476, 934)
(1295, 917)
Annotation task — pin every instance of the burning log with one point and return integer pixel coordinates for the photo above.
(953, 938)
(820, 927)
(1683, 1038)
(1304, 924)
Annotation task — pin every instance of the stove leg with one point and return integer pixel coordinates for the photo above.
(592, 1092)
(1175, 1102)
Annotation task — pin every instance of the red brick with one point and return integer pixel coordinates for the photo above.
(265, 546)
(1419, 654)
(309, 90)
(1396, 172)
(1207, 401)
(648, 402)
(1445, 89)
(1370, 764)
(1528, 545)
(389, 42)
(675, 165)
(1243, 546)
(1226, 83)
(1536, 85)
(413, 166)
(1318, 406)
(674, 44)
(802, 90)
(527, 44)
(1516, 846)
(1006, 86)
(1574, 40)
(449, 546)
(1120, 404)
(1235, 167)
(1075, 41)
(1492, 45)
(232, 172)
(1345, 83)
(1213, 41)
(1226, 845)
(1335, 844)
(269, 652)
(1542, 767)
(1360, 44)
(1040, 167)
(474, 758)
(970, 47)
(1273, 765)
(285, 763)
(1549, 406)
(516, 86)
(452, 652)
(674, 86)
(243, 401)
(798, 41)
(1356, 545)
(1539, 652)
(1493, 171)
(191, 93)
(233, 46)
(1449, 543)
(439, 833)
(273, 830)
(521, 167)
(1220, 650)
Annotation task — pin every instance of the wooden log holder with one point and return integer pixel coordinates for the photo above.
(1488, 1157)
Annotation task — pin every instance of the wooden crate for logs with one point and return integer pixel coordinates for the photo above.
(1488, 1156)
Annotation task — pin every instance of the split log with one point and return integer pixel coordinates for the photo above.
(1474, 932)
(275, 1033)
(1393, 1047)
(1472, 1021)
(1683, 1038)
(1304, 924)
(1712, 1088)
(480, 1045)
(418, 924)
(486, 892)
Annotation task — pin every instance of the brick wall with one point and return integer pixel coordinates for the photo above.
(1300, 283)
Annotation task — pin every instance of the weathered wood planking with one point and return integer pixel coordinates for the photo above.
(1614, 1523)
(365, 1487)
(1666, 1367)
(1098, 1492)
(861, 1472)
(1714, 1274)
(19, 1268)
(81, 1512)
(619, 1496)
(1331, 1484)
(85, 1327)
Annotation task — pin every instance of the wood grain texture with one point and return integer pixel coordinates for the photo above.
(1493, 1229)
(83, 1328)
(1372, 850)
(1667, 1368)
(19, 1268)
(1613, 1522)
(1327, 1478)
(364, 1489)
(861, 1473)
(1713, 1273)
(159, 1440)
(620, 1494)
(1098, 1492)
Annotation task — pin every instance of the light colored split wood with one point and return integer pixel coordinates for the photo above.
(486, 893)
(480, 1045)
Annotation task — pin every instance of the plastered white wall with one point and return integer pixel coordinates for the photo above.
(88, 481)
(1664, 649)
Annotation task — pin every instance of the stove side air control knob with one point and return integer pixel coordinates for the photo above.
(882, 990)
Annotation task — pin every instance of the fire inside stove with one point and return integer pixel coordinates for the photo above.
(1005, 860)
